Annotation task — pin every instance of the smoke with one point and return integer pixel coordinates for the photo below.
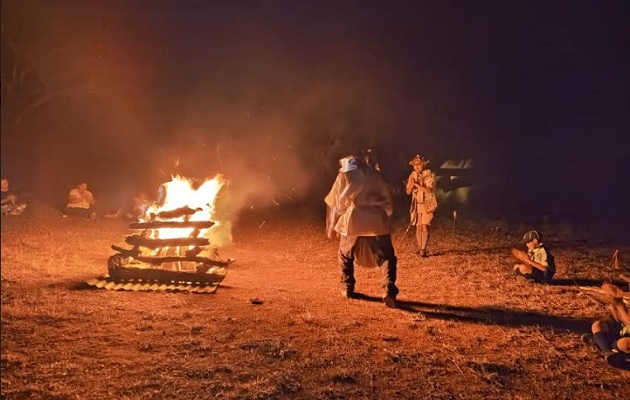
(269, 96)
(137, 95)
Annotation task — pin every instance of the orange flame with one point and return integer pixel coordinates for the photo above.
(181, 192)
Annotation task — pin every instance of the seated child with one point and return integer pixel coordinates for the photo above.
(538, 263)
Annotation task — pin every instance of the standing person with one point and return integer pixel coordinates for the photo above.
(421, 186)
(81, 202)
(359, 207)
(538, 263)
(369, 159)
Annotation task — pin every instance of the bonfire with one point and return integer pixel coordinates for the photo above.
(175, 244)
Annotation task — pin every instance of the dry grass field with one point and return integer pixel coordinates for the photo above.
(277, 327)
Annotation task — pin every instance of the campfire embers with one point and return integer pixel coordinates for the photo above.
(171, 247)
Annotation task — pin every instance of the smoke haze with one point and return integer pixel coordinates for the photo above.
(124, 94)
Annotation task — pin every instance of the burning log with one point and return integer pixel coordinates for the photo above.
(136, 240)
(193, 252)
(171, 224)
(135, 252)
(178, 212)
(166, 259)
(162, 275)
(126, 253)
(120, 272)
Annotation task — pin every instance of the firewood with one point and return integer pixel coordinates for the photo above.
(193, 252)
(125, 273)
(196, 225)
(126, 252)
(178, 212)
(167, 259)
(136, 240)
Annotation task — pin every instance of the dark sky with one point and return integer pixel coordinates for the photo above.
(537, 93)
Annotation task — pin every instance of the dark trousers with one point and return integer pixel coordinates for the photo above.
(79, 212)
(383, 250)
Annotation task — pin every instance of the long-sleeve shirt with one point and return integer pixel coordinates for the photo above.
(544, 257)
(359, 204)
(76, 199)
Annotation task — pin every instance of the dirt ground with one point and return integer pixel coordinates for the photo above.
(277, 327)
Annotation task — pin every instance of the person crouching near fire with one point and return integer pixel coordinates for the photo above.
(81, 202)
(612, 335)
(359, 207)
(538, 263)
(137, 208)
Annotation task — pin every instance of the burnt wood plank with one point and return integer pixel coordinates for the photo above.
(167, 259)
(178, 212)
(171, 224)
(122, 273)
(136, 240)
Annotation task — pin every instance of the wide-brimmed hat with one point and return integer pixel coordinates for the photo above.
(531, 235)
(419, 160)
(348, 164)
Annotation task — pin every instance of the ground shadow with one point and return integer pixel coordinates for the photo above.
(474, 250)
(619, 361)
(587, 282)
(489, 315)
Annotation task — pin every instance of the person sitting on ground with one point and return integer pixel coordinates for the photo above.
(10, 204)
(139, 205)
(538, 263)
(612, 335)
(134, 210)
(81, 202)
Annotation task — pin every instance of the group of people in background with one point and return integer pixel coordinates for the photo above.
(80, 203)
(359, 207)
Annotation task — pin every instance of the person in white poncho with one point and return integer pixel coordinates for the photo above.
(359, 207)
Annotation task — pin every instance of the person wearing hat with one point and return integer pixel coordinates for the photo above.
(420, 186)
(359, 207)
(538, 263)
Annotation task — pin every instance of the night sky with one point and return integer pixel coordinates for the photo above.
(125, 93)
